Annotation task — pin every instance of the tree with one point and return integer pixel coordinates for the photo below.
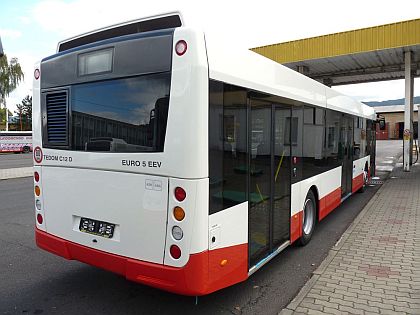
(24, 110)
(3, 117)
(11, 75)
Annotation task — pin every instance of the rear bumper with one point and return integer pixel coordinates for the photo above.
(192, 279)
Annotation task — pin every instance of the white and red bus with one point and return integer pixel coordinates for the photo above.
(184, 165)
(16, 141)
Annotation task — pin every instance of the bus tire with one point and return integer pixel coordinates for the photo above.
(26, 150)
(308, 218)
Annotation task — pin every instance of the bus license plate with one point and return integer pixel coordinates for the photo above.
(95, 227)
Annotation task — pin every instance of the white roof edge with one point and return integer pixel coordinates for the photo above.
(393, 108)
(271, 77)
(152, 17)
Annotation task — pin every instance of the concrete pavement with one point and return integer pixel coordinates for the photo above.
(375, 266)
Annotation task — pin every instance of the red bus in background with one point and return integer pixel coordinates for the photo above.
(16, 141)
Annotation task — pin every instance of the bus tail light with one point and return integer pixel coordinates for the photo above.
(39, 218)
(177, 233)
(175, 252)
(179, 213)
(38, 204)
(37, 191)
(181, 47)
(36, 176)
(37, 74)
(180, 194)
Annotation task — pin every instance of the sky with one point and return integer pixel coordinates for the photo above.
(30, 29)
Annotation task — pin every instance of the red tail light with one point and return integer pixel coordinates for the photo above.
(181, 47)
(175, 251)
(180, 194)
(36, 176)
(39, 218)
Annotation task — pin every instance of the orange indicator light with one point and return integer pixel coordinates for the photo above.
(223, 262)
(179, 213)
(37, 191)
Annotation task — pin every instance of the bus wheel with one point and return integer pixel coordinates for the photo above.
(308, 220)
(25, 149)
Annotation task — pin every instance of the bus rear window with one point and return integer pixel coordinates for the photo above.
(123, 115)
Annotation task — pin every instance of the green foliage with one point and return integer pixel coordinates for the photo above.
(24, 112)
(3, 118)
(11, 75)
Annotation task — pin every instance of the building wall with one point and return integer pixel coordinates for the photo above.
(392, 119)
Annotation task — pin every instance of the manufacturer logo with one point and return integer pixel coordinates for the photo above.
(38, 155)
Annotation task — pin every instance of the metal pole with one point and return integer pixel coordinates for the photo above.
(408, 113)
(7, 116)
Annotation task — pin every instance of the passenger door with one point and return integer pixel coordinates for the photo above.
(269, 178)
(345, 150)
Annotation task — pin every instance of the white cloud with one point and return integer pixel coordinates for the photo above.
(9, 33)
(378, 91)
(79, 16)
(246, 24)
(25, 20)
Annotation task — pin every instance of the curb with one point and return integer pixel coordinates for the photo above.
(291, 307)
(20, 172)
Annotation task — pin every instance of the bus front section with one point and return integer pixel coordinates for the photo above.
(120, 160)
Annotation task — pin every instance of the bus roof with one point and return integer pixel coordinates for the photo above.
(262, 74)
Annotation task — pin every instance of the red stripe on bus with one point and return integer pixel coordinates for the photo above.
(329, 203)
(296, 226)
(227, 266)
(202, 274)
(357, 183)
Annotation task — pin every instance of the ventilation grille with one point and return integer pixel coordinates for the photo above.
(57, 118)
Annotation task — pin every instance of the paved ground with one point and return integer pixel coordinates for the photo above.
(36, 282)
(388, 153)
(11, 160)
(375, 268)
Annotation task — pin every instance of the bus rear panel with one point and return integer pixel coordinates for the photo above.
(112, 126)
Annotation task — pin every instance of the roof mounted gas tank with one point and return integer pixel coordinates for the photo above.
(153, 23)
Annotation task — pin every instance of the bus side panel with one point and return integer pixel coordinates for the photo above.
(296, 213)
(328, 188)
(228, 246)
(358, 173)
(187, 127)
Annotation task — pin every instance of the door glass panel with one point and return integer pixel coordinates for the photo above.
(342, 153)
(260, 180)
(349, 166)
(281, 172)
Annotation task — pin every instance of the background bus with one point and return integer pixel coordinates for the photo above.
(16, 141)
(227, 157)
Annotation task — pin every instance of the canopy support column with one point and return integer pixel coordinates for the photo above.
(408, 113)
